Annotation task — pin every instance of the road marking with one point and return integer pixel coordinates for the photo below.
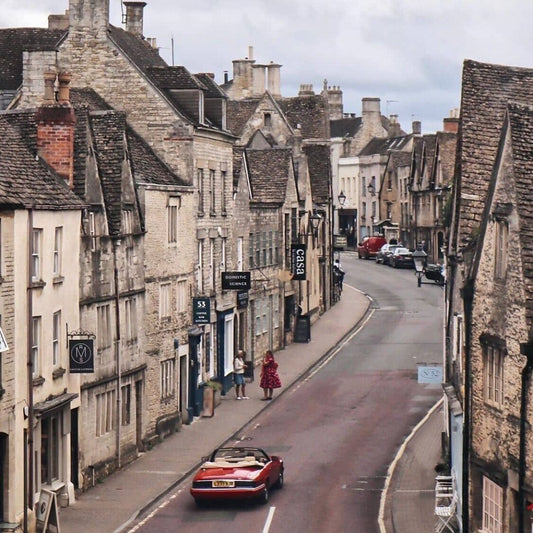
(268, 522)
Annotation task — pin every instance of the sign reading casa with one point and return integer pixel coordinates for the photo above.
(298, 263)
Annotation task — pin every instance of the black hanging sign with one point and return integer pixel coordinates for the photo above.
(81, 352)
(236, 281)
(201, 310)
(299, 263)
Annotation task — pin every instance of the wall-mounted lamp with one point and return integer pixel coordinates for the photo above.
(341, 198)
(371, 189)
(315, 220)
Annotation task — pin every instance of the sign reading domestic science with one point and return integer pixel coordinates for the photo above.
(236, 281)
(298, 261)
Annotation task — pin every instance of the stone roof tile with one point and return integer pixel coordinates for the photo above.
(319, 164)
(269, 172)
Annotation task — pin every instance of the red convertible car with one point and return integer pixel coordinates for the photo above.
(234, 473)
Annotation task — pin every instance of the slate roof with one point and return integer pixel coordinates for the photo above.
(13, 41)
(308, 112)
(486, 90)
(319, 164)
(382, 145)
(269, 172)
(27, 181)
(238, 112)
(174, 78)
(345, 126)
(521, 130)
(213, 90)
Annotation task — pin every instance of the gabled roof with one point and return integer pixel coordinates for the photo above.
(27, 181)
(13, 41)
(486, 90)
(239, 112)
(521, 130)
(269, 172)
(319, 164)
(307, 113)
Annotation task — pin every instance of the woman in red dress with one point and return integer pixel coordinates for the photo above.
(269, 375)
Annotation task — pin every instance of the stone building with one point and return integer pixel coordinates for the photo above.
(40, 219)
(479, 342)
(501, 355)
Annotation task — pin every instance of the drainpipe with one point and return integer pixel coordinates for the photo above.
(527, 350)
(468, 296)
(116, 245)
(30, 445)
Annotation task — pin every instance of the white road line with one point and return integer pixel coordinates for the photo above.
(268, 522)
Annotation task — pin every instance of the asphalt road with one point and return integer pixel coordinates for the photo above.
(340, 427)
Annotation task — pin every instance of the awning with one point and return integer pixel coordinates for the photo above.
(54, 403)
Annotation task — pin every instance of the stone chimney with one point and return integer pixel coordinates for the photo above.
(395, 129)
(450, 125)
(274, 79)
(55, 126)
(333, 95)
(89, 17)
(58, 22)
(242, 77)
(258, 79)
(306, 89)
(417, 127)
(134, 17)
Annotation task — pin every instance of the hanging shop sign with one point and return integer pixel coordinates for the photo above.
(298, 262)
(201, 311)
(236, 281)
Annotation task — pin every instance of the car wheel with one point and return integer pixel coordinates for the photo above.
(280, 481)
(265, 495)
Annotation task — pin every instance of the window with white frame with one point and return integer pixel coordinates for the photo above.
(200, 177)
(105, 412)
(50, 448)
(35, 344)
(165, 290)
(125, 413)
(36, 245)
(240, 258)
(182, 296)
(103, 326)
(172, 222)
(212, 265)
(223, 256)
(167, 378)
(501, 249)
(58, 247)
(492, 507)
(130, 305)
(258, 317)
(56, 339)
(92, 230)
(212, 192)
(223, 190)
(493, 375)
(200, 271)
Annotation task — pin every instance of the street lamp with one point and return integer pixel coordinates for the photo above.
(419, 257)
(341, 198)
(315, 220)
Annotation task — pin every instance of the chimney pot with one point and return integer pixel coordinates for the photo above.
(49, 90)
(64, 87)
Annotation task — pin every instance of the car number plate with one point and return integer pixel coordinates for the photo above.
(223, 483)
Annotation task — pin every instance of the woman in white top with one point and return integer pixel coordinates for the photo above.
(238, 371)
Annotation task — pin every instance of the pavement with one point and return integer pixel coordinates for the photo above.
(407, 506)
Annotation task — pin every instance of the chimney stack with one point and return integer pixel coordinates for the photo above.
(134, 17)
(417, 127)
(451, 125)
(55, 127)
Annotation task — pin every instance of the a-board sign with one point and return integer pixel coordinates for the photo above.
(302, 331)
(298, 261)
(236, 281)
(46, 512)
(201, 310)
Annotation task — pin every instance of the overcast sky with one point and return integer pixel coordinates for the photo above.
(409, 53)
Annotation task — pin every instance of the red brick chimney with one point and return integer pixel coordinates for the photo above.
(451, 125)
(55, 126)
